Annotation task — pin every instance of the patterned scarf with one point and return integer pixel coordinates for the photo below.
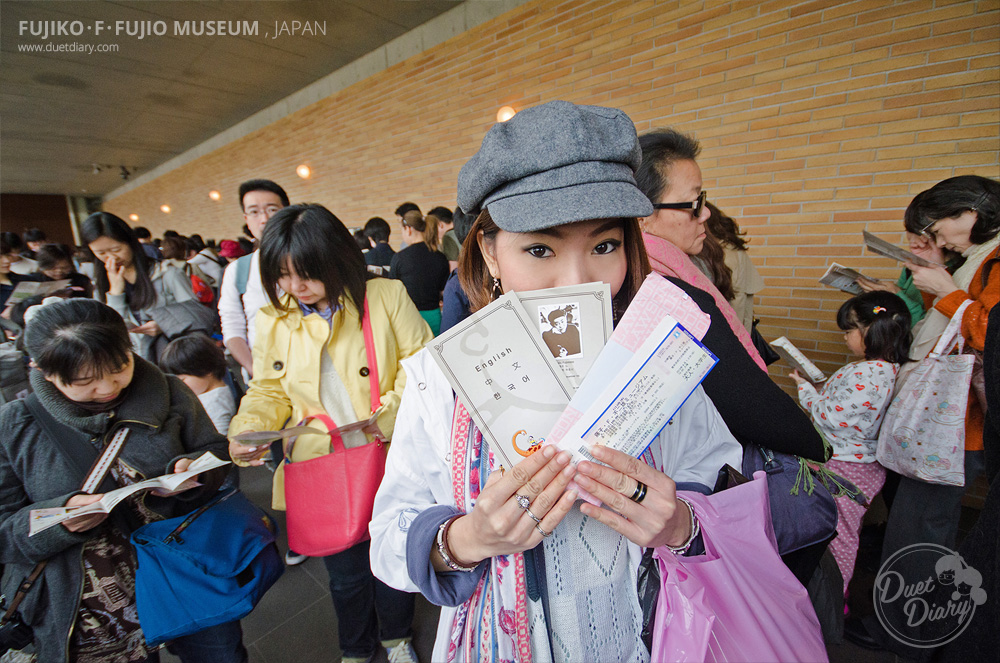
(667, 260)
(594, 608)
(500, 598)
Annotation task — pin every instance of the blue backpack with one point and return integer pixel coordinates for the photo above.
(209, 567)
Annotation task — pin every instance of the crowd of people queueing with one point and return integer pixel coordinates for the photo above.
(321, 322)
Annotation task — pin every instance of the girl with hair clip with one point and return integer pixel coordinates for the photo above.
(848, 411)
(421, 267)
(309, 359)
(524, 571)
(88, 385)
(129, 282)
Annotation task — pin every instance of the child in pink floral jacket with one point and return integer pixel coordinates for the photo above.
(848, 411)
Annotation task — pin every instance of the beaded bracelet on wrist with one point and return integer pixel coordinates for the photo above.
(695, 530)
(442, 547)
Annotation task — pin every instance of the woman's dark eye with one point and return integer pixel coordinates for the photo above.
(607, 247)
(539, 251)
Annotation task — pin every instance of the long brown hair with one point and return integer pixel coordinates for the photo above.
(475, 279)
(715, 257)
(428, 225)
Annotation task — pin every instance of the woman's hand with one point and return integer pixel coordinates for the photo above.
(498, 525)
(869, 285)
(661, 519)
(149, 329)
(799, 380)
(923, 247)
(116, 276)
(251, 455)
(85, 522)
(935, 280)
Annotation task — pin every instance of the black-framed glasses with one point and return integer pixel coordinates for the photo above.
(695, 206)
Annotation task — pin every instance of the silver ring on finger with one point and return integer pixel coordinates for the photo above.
(532, 516)
(542, 532)
(523, 501)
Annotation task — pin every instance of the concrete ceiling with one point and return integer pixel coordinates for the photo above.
(63, 112)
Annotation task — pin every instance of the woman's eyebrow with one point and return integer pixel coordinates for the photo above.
(559, 231)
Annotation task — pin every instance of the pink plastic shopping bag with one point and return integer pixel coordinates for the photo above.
(738, 601)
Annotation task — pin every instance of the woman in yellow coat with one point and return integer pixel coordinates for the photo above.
(310, 359)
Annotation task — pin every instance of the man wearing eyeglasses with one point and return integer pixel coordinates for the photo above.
(242, 293)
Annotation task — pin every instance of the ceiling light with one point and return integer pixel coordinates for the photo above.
(214, 195)
(133, 217)
(304, 172)
(165, 209)
(95, 170)
(505, 113)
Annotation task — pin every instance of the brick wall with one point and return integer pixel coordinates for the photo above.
(817, 119)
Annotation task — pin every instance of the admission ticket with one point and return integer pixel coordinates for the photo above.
(638, 400)
(40, 520)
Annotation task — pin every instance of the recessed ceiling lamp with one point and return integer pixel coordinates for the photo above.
(304, 172)
(165, 209)
(505, 113)
(214, 195)
(133, 217)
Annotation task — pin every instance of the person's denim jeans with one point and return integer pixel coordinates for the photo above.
(215, 644)
(368, 610)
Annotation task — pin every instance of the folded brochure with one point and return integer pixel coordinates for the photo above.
(794, 358)
(40, 520)
(890, 250)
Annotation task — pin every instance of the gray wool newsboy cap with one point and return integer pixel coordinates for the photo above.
(553, 164)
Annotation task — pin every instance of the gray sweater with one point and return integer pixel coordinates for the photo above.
(166, 422)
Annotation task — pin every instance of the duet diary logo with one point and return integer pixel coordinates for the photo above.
(926, 595)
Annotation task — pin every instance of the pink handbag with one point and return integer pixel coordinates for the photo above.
(329, 500)
(738, 601)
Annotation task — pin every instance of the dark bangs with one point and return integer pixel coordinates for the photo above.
(77, 338)
(319, 246)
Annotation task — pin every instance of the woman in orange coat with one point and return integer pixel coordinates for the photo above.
(961, 214)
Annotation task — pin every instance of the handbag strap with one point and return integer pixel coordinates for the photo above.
(373, 382)
(94, 478)
(336, 441)
(952, 334)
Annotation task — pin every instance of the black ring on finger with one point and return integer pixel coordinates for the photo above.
(532, 516)
(640, 492)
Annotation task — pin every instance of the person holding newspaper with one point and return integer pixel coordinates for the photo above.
(961, 214)
(510, 554)
(88, 385)
(309, 359)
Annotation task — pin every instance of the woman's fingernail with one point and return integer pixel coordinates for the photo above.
(564, 458)
(548, 451)
(597, 449)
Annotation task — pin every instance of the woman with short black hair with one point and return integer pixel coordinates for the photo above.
(310, 359)
(88, 385)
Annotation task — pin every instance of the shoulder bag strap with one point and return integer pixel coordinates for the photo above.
(373, 382)
(94, 478)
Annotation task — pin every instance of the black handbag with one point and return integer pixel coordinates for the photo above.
(187, 317)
